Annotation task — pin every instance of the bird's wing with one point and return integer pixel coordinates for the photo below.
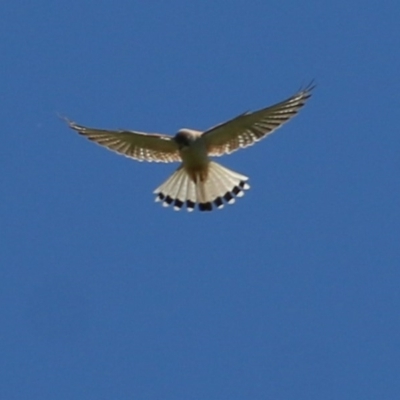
(137, 145)
(247, 129)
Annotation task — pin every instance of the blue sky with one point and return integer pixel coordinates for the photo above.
(292, 293)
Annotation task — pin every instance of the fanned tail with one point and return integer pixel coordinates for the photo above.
(221, 185)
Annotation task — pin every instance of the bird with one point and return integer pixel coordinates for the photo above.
(198, 180)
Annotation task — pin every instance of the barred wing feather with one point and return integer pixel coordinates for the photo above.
(137, 145)
(248, 128)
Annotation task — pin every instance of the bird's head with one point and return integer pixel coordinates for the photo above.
(185, 137)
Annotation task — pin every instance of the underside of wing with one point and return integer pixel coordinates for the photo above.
(137, 145)
(247, 129)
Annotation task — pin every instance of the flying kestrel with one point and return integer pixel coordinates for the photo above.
(198, 180)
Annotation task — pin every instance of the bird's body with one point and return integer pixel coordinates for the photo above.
(192, 149)
(198, 180)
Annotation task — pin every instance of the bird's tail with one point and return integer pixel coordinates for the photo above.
(216, 186)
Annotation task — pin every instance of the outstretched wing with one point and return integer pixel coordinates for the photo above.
(247, 129)
(137, 145)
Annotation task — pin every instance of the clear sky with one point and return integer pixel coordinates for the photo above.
(292, 293)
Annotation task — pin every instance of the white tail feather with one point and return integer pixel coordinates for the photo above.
(221, 184)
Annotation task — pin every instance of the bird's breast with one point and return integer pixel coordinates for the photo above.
(195, 155)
